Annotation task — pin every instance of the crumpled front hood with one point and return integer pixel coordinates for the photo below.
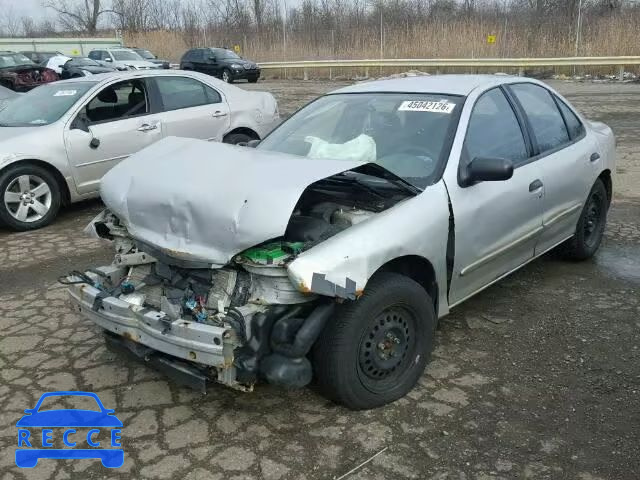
(205, 202)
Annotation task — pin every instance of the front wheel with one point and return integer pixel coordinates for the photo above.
(376, 348)
(237, 138)
(226, 76)
(29, 197)
(590, 229)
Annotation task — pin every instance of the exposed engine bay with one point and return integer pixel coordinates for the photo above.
(239, 322)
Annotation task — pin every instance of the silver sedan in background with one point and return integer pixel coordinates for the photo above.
(57, 141)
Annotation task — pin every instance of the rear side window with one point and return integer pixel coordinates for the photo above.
(183, 92)
(574, 125)
(544, 117)
(494, 130)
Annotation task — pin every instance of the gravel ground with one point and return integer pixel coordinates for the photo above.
(538, 377)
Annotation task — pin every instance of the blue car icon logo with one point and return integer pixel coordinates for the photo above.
(39, 430)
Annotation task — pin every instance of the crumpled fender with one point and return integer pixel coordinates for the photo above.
(342, 265)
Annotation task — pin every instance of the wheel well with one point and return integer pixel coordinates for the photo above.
(605, 176)
(64, 188)
(418, 269)
(246, 131)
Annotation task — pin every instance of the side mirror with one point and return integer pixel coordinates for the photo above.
(213, 59)
(253, 143)
(486, 169)
(108, 59)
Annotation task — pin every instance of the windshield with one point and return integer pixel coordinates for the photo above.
(14, 59)
(42, 105)
(82, 62)
(408, 134)
(124, 55)
(146, 54)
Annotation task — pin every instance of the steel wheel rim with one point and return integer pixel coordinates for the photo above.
(593, 219)
(386, 348)
(225, 76)
(27, 198)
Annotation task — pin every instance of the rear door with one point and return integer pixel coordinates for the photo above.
(191, 109)
(566, 156)
(121, 121)
(497, 224)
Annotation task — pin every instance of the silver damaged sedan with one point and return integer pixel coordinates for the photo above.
(58, 140)
(333, 247)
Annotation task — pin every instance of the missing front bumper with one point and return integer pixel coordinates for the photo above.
(185, 339)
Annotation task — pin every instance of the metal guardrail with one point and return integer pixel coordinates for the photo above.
(519, 63)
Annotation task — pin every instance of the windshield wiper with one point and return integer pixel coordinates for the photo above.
(352, 179)
(378, 171)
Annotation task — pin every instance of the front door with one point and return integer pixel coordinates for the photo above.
(192, 109)
(120, 123)
(498, 223)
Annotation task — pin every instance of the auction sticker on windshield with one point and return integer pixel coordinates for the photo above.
(65, 93)
(425, 106)
(53, 431)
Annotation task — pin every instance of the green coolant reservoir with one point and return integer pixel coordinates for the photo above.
(274, 253)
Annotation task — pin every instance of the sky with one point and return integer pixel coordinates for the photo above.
(31, 8)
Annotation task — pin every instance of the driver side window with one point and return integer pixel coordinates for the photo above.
(494, 130)
(118, 101)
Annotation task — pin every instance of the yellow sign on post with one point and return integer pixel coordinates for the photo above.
(491, 39)
(236, 48)
(75, 52)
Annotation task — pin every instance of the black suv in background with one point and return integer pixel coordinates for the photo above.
(221, 63)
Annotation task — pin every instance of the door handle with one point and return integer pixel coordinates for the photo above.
(535, 186)
(145, 127)
(219, 114)
(594, 157)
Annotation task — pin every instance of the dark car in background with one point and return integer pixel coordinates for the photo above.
(39, 57)
(221, 63)
(150, 57)
(82, 67)
(19, 73)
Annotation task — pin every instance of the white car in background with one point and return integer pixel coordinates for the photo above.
(57, 141)
(122, 59)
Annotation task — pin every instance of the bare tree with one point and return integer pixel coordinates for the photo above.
(78, 15)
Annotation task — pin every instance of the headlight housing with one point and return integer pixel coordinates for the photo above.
(237, 66)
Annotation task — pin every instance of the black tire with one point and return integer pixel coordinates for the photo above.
(375, 349)
(9, 181)
(590, 229)
(236, 138)
(253, 80)
(226, 76)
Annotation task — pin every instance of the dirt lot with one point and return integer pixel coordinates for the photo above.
(537, 377)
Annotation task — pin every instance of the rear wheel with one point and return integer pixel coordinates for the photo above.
(226, 76)
(376, 348)
(30, 197)
(590, 229)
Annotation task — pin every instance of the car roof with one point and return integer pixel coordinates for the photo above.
(125, 75)
(443, 84)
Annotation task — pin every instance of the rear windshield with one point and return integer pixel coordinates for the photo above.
(43, 105)
(124, 55)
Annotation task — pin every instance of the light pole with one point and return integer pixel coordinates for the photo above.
(578, 27)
